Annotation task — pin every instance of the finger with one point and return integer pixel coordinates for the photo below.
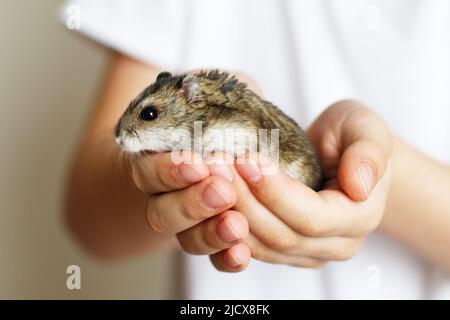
(264, 253)
(366, 142)
(361, 166)
(326, 248)
(215, 234)
(279, 237)
(173, 212)
(293, 203)
(263, 223)
(267, 227)
(318, 248)
(302, 209)
(161, 172)
(220, 164)
(234, 259)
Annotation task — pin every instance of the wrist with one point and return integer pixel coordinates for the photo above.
(397, 185)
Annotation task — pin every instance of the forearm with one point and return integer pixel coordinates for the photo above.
(103, 207)
(418, 208)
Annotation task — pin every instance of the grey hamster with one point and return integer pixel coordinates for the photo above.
(155, 120)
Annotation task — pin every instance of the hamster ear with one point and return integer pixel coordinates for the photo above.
(190, 86)
(163, 75)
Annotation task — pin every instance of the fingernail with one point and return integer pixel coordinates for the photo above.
(232, 258)
(223, 171)
(214, 197)
(191, 172)
(366, 177)
(251, 171)
(229, 229)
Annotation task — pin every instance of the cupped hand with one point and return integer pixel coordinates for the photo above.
(192, 199)
(233, 213)
(292, 224)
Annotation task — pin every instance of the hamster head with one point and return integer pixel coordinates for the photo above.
(162, 115)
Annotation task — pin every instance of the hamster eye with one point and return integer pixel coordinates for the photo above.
(148, 114)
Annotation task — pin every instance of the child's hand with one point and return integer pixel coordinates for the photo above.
(191, 200)
(292, 224)
(181, 196)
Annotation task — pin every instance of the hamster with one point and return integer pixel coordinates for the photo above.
(157, 118)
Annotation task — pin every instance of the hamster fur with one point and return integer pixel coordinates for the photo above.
(221, 103)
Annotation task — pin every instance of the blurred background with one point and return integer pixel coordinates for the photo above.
(48, 80)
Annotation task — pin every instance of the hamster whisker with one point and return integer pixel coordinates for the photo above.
(137, 158)
(123, 164)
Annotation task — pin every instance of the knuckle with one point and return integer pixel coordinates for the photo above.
(190, 205)
(347, 251)
(191, 211)
(209, 237)
(137, 177)
(260, 253)
(312, 226)
(369, 226)
(286, 243)
(347, 104)
(372, 225)
(154, 218)
(187, 212)
(154, 222)
(165, 177)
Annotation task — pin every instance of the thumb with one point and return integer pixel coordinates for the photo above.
(363, 161)
(361, 166)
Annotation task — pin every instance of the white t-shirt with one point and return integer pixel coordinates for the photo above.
(392, 55)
